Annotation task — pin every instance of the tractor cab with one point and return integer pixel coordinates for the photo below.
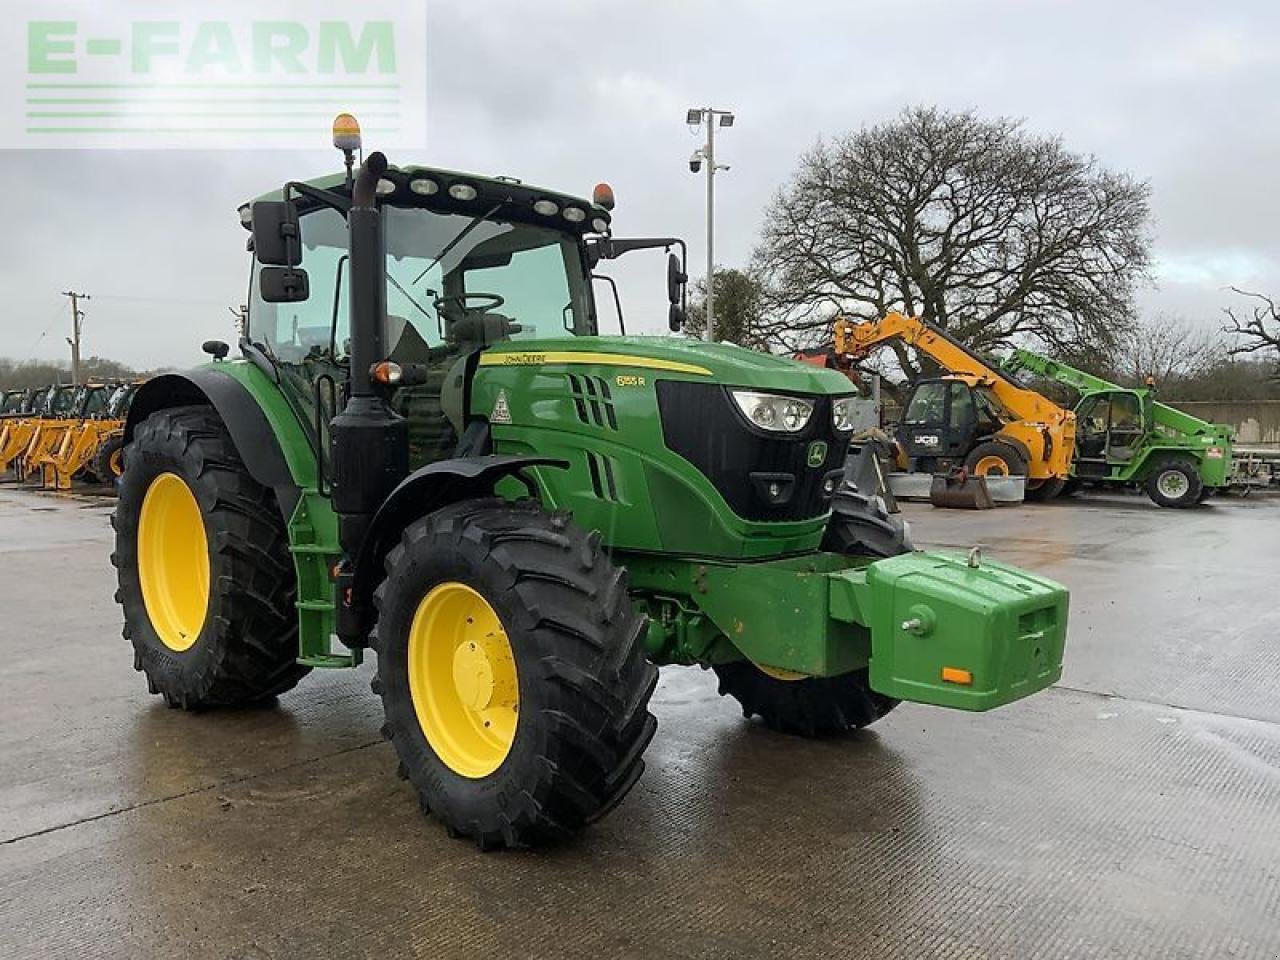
(117, 407)
(945, 417)
(12, 402)
(1111, 426)
(468, 262)
(58, 402)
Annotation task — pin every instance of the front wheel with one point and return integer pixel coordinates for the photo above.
(1175, 484)
(511, 670)
(820, 706)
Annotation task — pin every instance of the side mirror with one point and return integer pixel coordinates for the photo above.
(675, 317)
(676, 279)
(283, 285)
(277, 241)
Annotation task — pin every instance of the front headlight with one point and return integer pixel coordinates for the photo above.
(842, 413)
(774, 413)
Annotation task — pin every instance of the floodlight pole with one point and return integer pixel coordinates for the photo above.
(709, 117)
(711, 223)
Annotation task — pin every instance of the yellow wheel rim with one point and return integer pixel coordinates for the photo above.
(779, 673)
(463, 680)
(173, 561)
(115, 463)
(991, 466)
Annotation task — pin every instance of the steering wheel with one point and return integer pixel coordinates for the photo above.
(489, 301)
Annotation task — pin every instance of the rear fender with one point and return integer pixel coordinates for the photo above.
(254, 436)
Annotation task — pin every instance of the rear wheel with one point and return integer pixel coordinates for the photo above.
(202, 560)
(818, 706)
(994, 459)
(1046, 489)
(1175, 483)
(511, 670)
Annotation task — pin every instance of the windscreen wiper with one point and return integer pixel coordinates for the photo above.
(457, 240)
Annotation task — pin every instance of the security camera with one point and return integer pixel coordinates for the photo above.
(695, 162)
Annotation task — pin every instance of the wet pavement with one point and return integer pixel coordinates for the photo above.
(1133, 811)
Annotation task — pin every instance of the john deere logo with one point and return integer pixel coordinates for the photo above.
(817, 453)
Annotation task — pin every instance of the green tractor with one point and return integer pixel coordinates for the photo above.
(1127, 438)
(427, 448)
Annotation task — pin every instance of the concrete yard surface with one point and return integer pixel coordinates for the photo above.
(1131, 812)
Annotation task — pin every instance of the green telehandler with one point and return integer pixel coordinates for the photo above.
(427, 448)
(1126, 437)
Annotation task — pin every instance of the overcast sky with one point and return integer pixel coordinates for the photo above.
(568, 92)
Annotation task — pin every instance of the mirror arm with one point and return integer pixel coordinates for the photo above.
(325, 198)
(610, 248)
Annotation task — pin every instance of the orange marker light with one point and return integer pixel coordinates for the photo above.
(956, 675)
(602, 196)
(386, 372)
(346, 132)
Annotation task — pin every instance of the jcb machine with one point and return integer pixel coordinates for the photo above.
(1125, 437)
(87, 401)
(93, 448)
(974, 415)
(21, 435)
(427, 448)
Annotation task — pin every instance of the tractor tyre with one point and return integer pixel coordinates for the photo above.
(821, 706)
(992, 458)
(108, 461)
(512, 672)
(202, 559)
(1070, 487)
(860, 526)
(1046, 490)
(1175, 483)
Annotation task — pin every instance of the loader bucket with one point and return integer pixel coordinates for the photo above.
(960, 490)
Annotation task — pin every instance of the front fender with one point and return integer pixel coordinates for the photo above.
(425, 490)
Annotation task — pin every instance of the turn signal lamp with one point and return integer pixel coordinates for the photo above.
(602, 196)
(955, 675)
(346, 132)
(387, 373)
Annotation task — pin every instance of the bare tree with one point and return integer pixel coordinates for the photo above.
(1168, 349)
(974, 224)
(1258, 328)
(739, 306)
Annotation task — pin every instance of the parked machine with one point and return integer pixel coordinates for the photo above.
(426, 446)
(93, 447)
(19, 433)
(974, 415)
(64, 413)
(1126, 437)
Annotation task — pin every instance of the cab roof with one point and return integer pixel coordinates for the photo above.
(514, 195)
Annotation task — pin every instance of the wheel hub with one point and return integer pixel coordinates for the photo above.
(463, 680)
(173, 562)
(991, 467)
(1172, 484)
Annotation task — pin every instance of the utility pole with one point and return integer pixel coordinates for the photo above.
(77, 324)
(707, 155)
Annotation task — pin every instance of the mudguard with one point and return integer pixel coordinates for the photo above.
(241, 413)
(424, 490)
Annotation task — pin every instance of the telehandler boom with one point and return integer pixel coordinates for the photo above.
(973, 415)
